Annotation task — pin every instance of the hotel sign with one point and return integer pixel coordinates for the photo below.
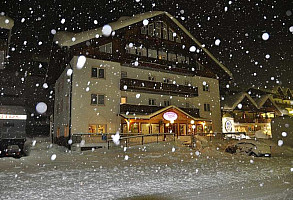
(170, 116)
(9, 116)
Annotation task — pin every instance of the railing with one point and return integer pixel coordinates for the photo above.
(158, 87)
(141, 139)
(145, 109)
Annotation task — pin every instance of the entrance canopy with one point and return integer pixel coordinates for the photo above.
(181, 115)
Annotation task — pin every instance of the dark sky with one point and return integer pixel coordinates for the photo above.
(239, 25)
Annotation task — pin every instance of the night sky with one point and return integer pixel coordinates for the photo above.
(239, 25)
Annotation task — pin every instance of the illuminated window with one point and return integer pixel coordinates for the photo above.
(162, 55)
(97, 128)
(152, 53)
(123, 100)
(106, 48)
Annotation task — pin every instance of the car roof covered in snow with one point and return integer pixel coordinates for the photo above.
(65, 38)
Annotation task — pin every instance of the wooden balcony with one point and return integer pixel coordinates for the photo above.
(158, 87)
(145, 109)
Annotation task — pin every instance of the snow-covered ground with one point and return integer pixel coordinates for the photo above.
(153, 171)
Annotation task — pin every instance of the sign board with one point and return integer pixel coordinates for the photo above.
(9, 116)
(228, 125)
(170, 116)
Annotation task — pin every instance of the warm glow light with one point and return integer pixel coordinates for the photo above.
(9, 116)
(167, 124)
(170, 116)
(192, 121)
(193, 126)
(172, 121)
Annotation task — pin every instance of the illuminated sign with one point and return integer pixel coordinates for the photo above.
(9, 116)
(228, 126)
(171, 116)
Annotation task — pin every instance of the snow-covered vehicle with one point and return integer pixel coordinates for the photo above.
(13, 150)
(12, 129)
(250, 148)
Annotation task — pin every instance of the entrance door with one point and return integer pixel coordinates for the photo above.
(155, 128)
(145, 128)
(182, 129)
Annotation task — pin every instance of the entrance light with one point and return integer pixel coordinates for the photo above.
(192, 121)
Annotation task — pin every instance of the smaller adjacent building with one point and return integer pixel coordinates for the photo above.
(252, 112)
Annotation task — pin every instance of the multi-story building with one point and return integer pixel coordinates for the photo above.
(6, 25)
(141, 74)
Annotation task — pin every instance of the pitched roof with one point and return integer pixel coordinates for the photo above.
(149, 116)
(263, 99)
(65, 38)
(6, 22)
(232, 101)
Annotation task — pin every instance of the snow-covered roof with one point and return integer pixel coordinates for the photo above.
(65, 38)
(6, 22)
(231, 102)
(132, 116)
(262, 100)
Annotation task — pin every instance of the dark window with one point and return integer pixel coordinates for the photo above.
(8, 124)
(94, 72)
(101, 99)
(166, 102)
(93, 99)
(207, 107)
(101, 73)
(206, 87)
(152, 102)
(123, 74)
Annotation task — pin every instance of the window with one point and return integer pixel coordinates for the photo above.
(123, 74)
(187, 60)
(130, 50)
(123, 100)
(181, 59)
(162, 55)
(106, 48)
(101, 99)
(97, 99)
(166, 80)
(207, 107)
(158, 32)
(178, 39)
(199, 66)
(165, 31)
(206, 87)
(98, 72)
(167, 103)
(97, 128)
(143, 30)
(151, 29)
(171, 34)
(152, 53)
(172, 57)
(151, 78)
(142, 51)
(152, 102)
(93, 99)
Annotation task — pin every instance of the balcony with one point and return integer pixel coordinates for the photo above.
(158, 87)
(145, 109)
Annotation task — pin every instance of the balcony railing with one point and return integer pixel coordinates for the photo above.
(158, 87)
(145, 109)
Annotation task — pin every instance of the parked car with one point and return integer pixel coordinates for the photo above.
(250, 148)
(13, 150)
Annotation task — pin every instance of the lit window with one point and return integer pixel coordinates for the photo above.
(162, 55)
(172, 57)
(141, 51)
(97, 128)
(130, 50)
(152, 102)
(123, 100)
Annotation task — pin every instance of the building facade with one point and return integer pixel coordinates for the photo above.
(149, 75)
